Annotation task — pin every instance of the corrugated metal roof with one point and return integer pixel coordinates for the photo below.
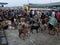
(3, 3)
(44, 5)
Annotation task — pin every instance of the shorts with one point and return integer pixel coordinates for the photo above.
(50, 26)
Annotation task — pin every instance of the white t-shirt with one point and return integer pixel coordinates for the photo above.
(53, 13)
(33, 12)
(14, 20)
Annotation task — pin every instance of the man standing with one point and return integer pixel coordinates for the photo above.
(58, 18)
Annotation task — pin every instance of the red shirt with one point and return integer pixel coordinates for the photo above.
(58, 16)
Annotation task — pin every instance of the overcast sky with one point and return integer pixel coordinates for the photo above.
(21, 2)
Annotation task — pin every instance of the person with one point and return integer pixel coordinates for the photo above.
(31, 13)
(53, 13)
(58, 17)
(31, 20)
(12, 20)
(42, 18)
(49, 13)
(12, 13)
(40, 13)
(52, 25)
(1, 18)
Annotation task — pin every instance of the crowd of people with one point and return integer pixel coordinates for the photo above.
(26, 21)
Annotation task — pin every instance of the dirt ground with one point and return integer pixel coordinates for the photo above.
(34, 39)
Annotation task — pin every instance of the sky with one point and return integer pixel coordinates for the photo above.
(12, 3)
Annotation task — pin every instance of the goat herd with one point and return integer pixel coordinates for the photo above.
(26, 25)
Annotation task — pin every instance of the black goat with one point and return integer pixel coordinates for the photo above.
(35, 26)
